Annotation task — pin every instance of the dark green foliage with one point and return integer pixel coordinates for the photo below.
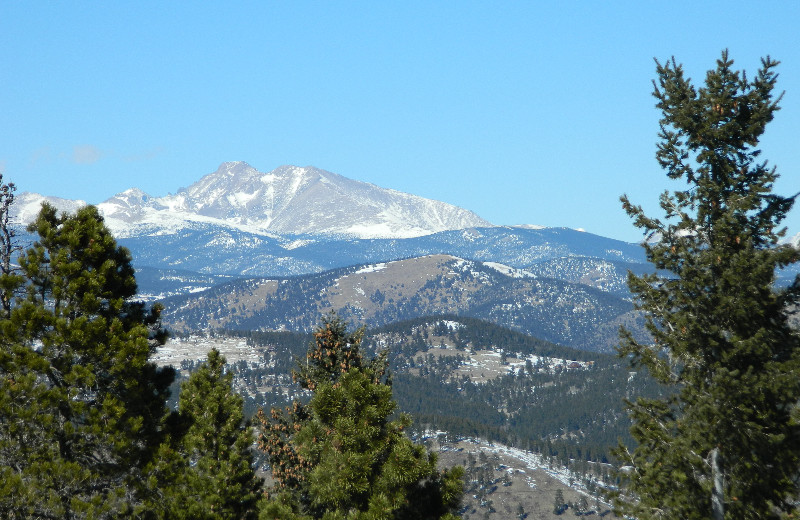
(81, 405)
(342, 456)
(215, 478)
(471, 332)
(285, 346)
(726, 443)
(336, 351)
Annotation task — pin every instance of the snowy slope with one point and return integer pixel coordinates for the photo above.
(27, 205)
(286, 201)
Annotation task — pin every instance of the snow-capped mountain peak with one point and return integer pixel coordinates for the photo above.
(289, 200)
(793, 240)
(27, 206)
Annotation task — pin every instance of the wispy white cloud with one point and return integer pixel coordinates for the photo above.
(86, 154)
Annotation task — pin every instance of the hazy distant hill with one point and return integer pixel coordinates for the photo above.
(27, 205)
(211, 249)
(240, 221)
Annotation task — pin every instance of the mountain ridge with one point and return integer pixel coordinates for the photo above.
(571, 314)
(234, 252)
(288, 200)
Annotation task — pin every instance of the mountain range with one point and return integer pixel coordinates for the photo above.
(244, 249)
(256, 253)
(238, 221)
(289, 200)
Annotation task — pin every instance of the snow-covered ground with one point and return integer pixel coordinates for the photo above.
(196, 348)
(487, 363)
(521, 462)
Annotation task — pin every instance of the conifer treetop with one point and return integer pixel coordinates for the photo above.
(723, 442)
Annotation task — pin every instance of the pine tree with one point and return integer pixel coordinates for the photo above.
(341, 456)
(559, 505)
(81, 405)
(9, 247)
(216, 478)
(724, 442)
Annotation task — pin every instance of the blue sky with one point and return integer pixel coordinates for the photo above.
(524, 112)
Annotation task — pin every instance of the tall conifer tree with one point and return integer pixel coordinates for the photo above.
(725, 443)
(81, 405)
(216, 480)
(341, 456)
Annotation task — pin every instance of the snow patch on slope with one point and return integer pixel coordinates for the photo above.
(509, 271)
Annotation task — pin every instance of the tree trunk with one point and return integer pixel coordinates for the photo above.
(718, 482)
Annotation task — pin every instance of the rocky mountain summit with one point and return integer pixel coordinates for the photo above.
(289, 200)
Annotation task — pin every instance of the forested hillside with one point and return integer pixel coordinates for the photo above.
(472, 378)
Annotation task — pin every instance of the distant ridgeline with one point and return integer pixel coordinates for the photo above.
(567, 313)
